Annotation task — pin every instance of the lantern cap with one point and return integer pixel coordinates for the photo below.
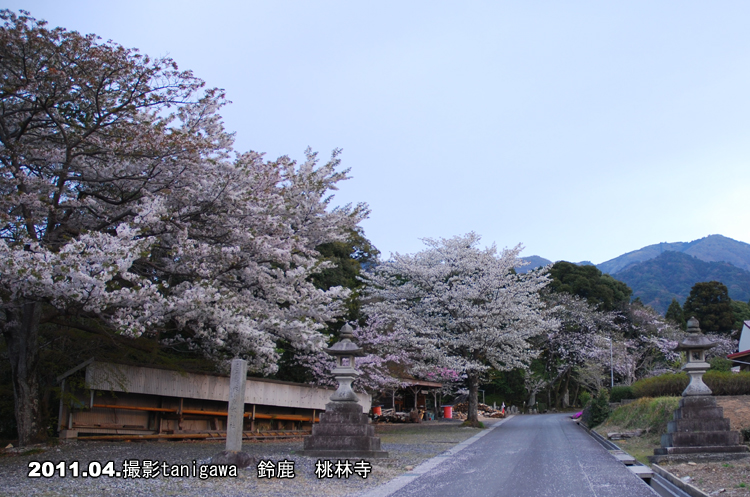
(345, 346)
(695, 339)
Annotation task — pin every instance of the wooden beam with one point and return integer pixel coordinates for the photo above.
(283, 417)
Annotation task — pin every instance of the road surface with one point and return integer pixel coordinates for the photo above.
(525, 456)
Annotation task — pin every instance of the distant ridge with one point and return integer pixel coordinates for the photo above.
(534, 261)
(713, 248)
(672, 274)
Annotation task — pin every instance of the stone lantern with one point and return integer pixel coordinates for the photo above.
(695, 344)
(345, 351)
(344, 430)
(698, 429)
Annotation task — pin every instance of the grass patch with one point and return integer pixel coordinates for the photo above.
(473, 424)
(31, 452)
(648, 414)
(640, 447)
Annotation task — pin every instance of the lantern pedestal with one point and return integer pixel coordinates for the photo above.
(699, 430)
(344, 432)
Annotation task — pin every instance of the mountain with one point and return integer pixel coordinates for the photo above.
(534, 261)
(713, 248)
(672, 274)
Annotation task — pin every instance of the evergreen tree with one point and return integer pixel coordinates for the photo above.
(589, 283)
(741, 312)
(674, 314)
(709, 302)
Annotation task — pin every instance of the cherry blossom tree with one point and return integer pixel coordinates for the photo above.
(579, 340)
(462, 307)
(122, 209)
(645, 344)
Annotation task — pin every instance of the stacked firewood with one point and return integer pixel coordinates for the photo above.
(392, 416)
(461, 409)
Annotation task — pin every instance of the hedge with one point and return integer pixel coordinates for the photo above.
(672, 384)
(621, 392)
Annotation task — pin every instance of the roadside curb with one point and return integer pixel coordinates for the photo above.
(663, 482)
(401, 481)
(682, 485)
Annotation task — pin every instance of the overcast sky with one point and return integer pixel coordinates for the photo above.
(582, 130)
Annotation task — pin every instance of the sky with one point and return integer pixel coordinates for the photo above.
(581, 130)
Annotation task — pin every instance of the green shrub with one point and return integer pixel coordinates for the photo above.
(666, 385)
(585, 398)
(720, 364)
(621, 392)
(599, 409)
(728, 383)
(670, 384)
(650, 414)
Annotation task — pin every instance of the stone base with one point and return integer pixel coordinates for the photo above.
(239, 459)
(698, 457)
(701, 450)
(344, 454)
(344, 432)
(699, 428)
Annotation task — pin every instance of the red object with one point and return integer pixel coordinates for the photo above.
(377, 411)
(448, 412)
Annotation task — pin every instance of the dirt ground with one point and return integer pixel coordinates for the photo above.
(737, 409)
(731, 478)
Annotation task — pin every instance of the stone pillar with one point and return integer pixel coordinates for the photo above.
(236, 411)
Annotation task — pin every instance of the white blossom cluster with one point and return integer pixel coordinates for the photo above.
(459, 307)
(120, 201)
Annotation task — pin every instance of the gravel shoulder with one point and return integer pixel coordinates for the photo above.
(731, 478)
(407, 444)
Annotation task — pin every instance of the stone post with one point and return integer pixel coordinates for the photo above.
(236, 411)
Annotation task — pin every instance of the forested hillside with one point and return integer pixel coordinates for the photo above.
(713, 248)
(671, 275)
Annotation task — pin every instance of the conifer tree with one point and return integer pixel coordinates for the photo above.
(709, 302)
(674, 314)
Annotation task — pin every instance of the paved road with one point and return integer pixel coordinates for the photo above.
(534, 456)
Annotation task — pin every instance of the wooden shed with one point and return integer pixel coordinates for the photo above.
(120, 399)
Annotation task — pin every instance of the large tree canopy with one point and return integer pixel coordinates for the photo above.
(461, 307)
(709, 302)
(589, 283)
(120, 207)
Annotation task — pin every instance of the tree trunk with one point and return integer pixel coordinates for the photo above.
(557, 394)
(566, 399)
(21, 333)
(472, 417)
